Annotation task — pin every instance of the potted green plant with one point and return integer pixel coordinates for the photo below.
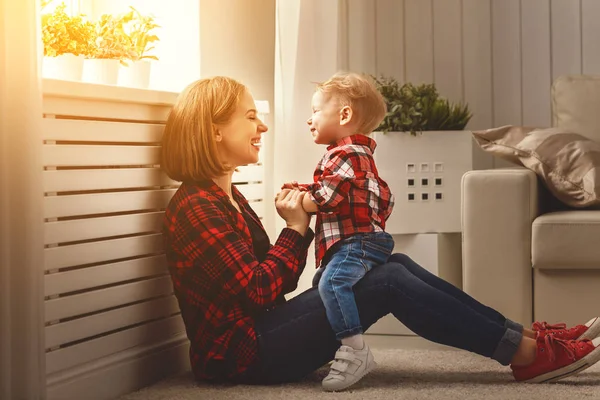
(111, 47)
(135, 72)
(415, 109)
(423, 150)
(66, 40)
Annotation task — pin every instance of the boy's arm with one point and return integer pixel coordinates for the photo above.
(333, 186)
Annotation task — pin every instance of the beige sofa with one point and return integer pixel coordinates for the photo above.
(525, 254)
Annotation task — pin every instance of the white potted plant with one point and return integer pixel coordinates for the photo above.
(423, 150)
(135, 72)
(111, 47)
(67, 40)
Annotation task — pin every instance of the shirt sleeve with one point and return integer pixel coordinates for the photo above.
(214, 245)
(307, 240)
(333, 185)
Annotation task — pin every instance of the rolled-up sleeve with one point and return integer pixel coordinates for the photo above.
(332, 187)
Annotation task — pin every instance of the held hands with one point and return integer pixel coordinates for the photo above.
(288, 203)
(293, 185)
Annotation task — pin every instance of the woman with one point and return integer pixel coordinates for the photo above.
(230, 281)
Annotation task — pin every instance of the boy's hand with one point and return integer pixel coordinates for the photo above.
(293, 185)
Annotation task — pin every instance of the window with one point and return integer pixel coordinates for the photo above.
(178, 49)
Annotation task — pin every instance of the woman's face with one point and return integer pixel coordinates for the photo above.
(240, 140)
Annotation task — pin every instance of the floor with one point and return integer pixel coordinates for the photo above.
(384, 342)
(408, 368)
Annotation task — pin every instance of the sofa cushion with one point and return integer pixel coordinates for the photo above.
(568, 163)
(566, 240)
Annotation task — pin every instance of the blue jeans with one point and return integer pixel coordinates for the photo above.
(352, 258)
(295, 338)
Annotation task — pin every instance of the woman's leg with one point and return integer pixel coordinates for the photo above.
(296, 338)
(433, 313)
(453, 291)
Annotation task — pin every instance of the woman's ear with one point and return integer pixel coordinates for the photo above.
(345, 115)
(218, 135)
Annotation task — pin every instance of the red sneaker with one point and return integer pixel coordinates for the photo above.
(557, 359)
(590, 330)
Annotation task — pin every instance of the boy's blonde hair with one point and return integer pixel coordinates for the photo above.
(360, 94)
(189, 147)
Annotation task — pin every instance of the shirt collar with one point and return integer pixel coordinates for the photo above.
(359, 139)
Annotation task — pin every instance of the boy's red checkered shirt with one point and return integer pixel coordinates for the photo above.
(351, 196)
(218, 282)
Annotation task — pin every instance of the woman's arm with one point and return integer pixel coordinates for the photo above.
(216, 246)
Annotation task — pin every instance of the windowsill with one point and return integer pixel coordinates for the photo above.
(111, 93)
(117, 94)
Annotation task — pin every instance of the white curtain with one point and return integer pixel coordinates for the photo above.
(21, 193)
(307, 50)
(311, 36)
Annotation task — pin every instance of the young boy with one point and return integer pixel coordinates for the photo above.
(352, 204)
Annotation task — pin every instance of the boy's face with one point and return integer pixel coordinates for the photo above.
(329, 121)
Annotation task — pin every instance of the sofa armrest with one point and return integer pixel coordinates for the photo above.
(498, 209)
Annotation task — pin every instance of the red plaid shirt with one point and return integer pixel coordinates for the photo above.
(218, 282)
(351, 196)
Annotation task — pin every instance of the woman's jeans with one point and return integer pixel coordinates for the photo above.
(296, 338)
(352, 259)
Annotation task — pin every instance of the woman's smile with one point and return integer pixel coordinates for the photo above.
(256, 144)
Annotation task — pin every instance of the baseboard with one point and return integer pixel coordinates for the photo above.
(126, 372)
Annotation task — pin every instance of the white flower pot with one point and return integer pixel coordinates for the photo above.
(66, 67)
(136, 74)
(424, 173)
(100, 70)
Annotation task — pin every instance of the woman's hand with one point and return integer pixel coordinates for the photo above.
(288, 203)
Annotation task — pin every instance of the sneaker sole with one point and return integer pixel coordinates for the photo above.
(593, 331)
(364, 373)
(568, 370)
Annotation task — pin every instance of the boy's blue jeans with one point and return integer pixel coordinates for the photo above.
(352, 258)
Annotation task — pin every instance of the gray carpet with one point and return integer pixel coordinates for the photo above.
(402, 374)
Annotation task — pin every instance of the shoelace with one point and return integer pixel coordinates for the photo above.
(544, 326)
(569, 346)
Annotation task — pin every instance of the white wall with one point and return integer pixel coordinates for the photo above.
(500, 56)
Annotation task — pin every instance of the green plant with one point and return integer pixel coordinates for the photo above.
(139, 34)
(418, 108)
(63, 34)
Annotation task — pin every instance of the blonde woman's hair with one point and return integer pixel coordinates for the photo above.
(360, 94)
(189, 147)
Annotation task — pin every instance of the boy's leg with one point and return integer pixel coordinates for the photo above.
(352, 260)
(342, 272)
(348, 265)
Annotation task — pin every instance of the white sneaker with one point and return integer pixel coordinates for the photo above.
(349, 367)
